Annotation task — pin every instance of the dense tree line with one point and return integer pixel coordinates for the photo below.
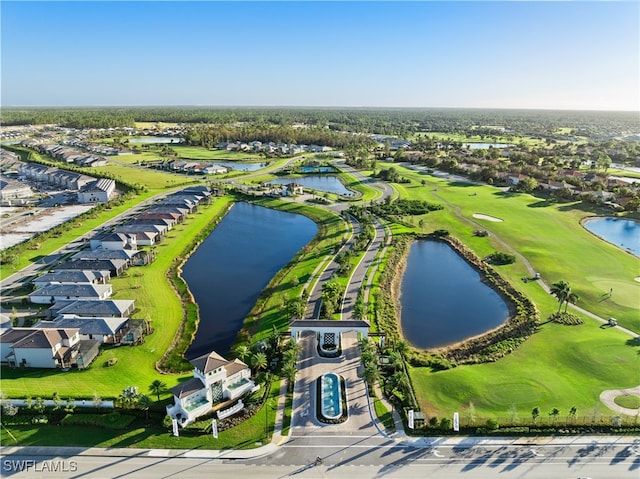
(396, 122)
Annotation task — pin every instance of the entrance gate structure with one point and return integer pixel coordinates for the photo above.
(329, 330)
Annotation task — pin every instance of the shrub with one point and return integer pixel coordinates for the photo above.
(566, 319)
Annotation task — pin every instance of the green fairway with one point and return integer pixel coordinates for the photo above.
(560, 366)
(549, 235)
(201, 153)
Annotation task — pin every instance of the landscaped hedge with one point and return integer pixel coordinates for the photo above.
(566, 318)
(112, 420)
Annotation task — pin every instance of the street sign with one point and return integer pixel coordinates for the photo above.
(174, 423)
(456, 421)
(410, 418)
(214, 428)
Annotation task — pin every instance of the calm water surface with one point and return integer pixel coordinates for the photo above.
(621, 232)
(442, 298)
(234, 264)
(156, 139)
(241, 166)
(327, 183)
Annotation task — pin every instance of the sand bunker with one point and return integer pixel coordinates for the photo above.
(637, 278)
(486, 217)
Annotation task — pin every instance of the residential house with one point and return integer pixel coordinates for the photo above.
(46, 348)
(98, 191)
(214, 380)
(104, 330)
(115, 266)
(114, 241)
(110, 308)
(77, 276)
(51, 293)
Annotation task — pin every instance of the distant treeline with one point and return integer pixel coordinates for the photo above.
(387, 121)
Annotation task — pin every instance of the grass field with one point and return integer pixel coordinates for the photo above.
(548, 234)
(200, 153)
(559, 366)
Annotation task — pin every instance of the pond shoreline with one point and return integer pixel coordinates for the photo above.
(471, 349)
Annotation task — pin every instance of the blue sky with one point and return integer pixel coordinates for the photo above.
(551, 55)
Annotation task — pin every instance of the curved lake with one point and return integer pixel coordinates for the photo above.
(234, 264)
(621, 232)
(327, 183)
(442, 298)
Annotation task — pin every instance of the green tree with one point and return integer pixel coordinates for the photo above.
(259, 361)
(143, 402)
(555, 412)
(561, 290)
(571, 298)
(157, 387)
(535, 414)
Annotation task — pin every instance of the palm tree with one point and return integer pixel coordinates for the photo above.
(157, 387)
(371, 374)
(242, 352)
(289, 371)
(144, 403)
(561, 290)
(259, 361)
(571, 298)
(402, 347)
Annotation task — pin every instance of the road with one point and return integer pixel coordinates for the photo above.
(354, 457)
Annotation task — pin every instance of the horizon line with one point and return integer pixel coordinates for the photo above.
(327, 107)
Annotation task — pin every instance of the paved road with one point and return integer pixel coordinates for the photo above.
(355, 457)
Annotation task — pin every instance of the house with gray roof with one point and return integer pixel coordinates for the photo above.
(112, 308)
(111, 240)
(115, 266)
(55, 292)
(215, 379)
(104, 330)
(76, 276)
(104, 253)
(98, 191)
(48, 348)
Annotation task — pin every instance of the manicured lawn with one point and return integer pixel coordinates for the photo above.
(560, 366)
(247, 435)
(628, 401)
(200, 153)
(152, 179)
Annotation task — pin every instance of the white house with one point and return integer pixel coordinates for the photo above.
(39, 348)
(214, 380)
(99, 191)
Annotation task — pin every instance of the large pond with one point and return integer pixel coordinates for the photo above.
(234, 264)
(621, 232)
(327, 183)
(485, 146)
(241, 165)
(442, 298)
(156, 139)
